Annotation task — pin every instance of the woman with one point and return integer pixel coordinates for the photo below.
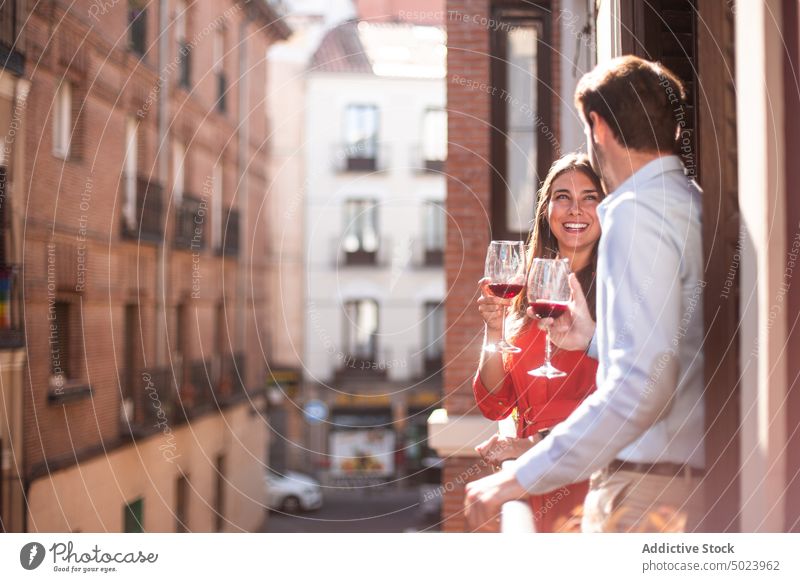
(566, 226)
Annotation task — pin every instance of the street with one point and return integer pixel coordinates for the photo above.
(371, 510)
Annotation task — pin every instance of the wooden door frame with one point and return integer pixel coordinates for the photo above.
(791, 88)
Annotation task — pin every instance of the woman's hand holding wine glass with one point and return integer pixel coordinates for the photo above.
(505, 271)
(491, 308)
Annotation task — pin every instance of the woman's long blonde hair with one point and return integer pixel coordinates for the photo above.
(542, 243)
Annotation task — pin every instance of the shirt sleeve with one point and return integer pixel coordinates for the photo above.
(642, 287)
(498, 404)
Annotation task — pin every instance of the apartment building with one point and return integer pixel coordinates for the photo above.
(143, 233)
(375, 221)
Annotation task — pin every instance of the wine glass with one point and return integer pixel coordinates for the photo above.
(505, 268)
(548, 295)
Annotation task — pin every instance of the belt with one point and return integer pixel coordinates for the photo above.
(662, 469)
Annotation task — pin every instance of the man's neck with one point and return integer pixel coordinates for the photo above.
(626, 164)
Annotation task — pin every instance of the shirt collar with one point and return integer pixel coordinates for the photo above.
(649, 171)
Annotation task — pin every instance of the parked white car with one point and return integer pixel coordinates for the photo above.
(292, 492)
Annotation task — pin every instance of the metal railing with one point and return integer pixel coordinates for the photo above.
(423, 159)
(149, 220)
(189, 225)
(365, 156)
(230, 233)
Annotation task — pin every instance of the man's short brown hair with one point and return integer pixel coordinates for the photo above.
(640, 100)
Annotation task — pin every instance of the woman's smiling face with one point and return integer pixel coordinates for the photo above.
(572, 212)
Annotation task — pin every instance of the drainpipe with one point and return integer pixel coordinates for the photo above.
(244, 147)
(163, 175)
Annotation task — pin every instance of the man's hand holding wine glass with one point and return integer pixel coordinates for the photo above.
(575, 328)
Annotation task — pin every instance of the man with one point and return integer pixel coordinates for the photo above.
(640, 435)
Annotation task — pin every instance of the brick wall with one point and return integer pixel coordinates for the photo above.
(468, 230)
(77, 203)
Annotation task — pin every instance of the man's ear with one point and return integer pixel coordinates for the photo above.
(598, 128)
(601, 132)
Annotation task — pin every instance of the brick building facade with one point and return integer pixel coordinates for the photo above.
(144, 229)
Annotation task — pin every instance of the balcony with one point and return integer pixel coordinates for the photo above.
(11, 56)
(360, 157)
(425, 158)
(151, 401)
(189, 219)
(148, 224)
(433, 257)
(159, 397)
(360, 258)
(222, 92)
(230, 234)
(12, 328)
(185, 65)
(379, 254)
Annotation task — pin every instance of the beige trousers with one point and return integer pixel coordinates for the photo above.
(626, 501)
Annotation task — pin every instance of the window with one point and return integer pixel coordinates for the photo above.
(434, 233)
(130, 170)
(219, 495)
(133, 516)
(216, 206)
(361, 324)
(137, 26)
(434, 336)
(60, 368)
(182, 504)
(178, 174)
(62, 121)
(183, 48)
(434, 134)
(219, 68)
(361, 232)
(361, 137)
(522, 140)
(131, 343)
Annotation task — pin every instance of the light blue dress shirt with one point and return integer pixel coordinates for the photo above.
(648, 406)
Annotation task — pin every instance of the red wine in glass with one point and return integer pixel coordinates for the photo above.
(552, 309)
(505, 269)
(548, 296)
(506, 290)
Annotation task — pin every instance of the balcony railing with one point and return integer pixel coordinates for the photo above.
(516, 516)
(360, 258)
(185, 65)
(434, 257)
(151, 401)
(222, 92)
(230, 234)
(189, 224)
(148, 224)
(12, 329)
(380, 256)
(160, 397)
(427, 159)
(365, 156)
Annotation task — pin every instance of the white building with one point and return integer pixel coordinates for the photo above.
(374, 225)
(285, 103)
